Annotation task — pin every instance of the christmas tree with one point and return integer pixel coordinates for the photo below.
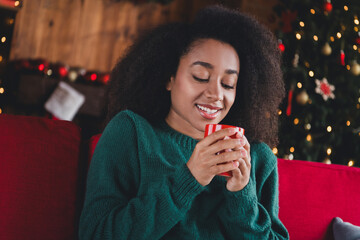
(320, 117)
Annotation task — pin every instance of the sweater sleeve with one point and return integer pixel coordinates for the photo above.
(113, 209)
(252, 213)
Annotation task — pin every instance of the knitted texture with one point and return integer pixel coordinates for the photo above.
(139, 187)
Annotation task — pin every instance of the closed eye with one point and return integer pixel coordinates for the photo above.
(227, 86)
(206, 80)
(200, 79)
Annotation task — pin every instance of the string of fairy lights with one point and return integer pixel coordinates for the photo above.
(6, 24)
(323, 86)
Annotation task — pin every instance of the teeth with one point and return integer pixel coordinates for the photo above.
(208, 110)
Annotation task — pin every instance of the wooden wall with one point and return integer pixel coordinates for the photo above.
(93, 34)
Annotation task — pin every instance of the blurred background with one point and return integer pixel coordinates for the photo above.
(77, 43)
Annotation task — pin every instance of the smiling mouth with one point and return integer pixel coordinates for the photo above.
(209, 113)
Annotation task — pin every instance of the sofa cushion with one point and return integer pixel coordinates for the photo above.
(38, 178)
(311, 194)
(345, 230)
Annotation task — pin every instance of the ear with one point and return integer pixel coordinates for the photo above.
(170, 83)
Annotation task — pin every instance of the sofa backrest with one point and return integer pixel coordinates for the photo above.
(39, 185)
(312, 194)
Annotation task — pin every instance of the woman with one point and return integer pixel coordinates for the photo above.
(153, 174)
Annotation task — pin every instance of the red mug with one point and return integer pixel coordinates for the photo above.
(210, 128)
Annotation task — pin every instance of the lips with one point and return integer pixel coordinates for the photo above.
(208, 111)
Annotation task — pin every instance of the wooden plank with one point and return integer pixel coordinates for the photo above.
(94, 34)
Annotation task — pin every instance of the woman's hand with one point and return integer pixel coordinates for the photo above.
(241, 175)
(205, 163)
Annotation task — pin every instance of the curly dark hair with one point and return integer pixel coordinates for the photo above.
(138, 81)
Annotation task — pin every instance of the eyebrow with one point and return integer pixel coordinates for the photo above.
(209, 66)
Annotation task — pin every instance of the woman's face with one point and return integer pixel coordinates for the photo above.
(204, 87)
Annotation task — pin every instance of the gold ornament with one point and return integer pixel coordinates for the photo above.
(302, 98)
(355, 68)
(326, 49)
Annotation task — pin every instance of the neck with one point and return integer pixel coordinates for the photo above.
(173, 119)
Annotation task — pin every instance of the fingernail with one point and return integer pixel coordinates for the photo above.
(236, 163)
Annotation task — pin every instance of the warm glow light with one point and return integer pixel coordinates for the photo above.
(327, 161)
(359, 99)
(296, 121)
(307, 64)
(332, 38)
(279, 112)
(348, 123)
(338, 35)
(312, 11)
(329, 128)
(298, 36)
(308, 126)
(2, 90)
(302, 24)
(356, 21)
(1, 58)
(328, 151)
(17, 3)
(358, 106)
(355, 47)
(311, 73)
(3, 39)
(49, 72)
(93, 77)
(316, 38)
(41, 67)
(292, 149)
(351, 163)
(356, 29)
(275, 150)
(308, 138)
(348, 67)
(0, 111)
(299, 85)
(346, 8)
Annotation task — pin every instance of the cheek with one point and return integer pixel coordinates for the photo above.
(184, 87)
(230, 98)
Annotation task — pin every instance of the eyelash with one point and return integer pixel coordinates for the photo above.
(206, 80)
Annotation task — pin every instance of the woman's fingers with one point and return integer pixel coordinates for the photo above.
(225, 167)
(225, 157)
(223, 145)
(218, 135)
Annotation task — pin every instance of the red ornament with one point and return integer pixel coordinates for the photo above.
(328, 6)
(357, 40)
(41, 67)
(93, 77)
(288, 109)
(281, 46)
(39, 64)
(342, 57)
(104, 78)
(63, 71)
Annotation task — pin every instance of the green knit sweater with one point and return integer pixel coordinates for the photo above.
(139, 187)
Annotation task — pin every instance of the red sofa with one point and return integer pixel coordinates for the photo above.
(43, 165)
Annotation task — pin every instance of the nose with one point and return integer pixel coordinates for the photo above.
(214, 90)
